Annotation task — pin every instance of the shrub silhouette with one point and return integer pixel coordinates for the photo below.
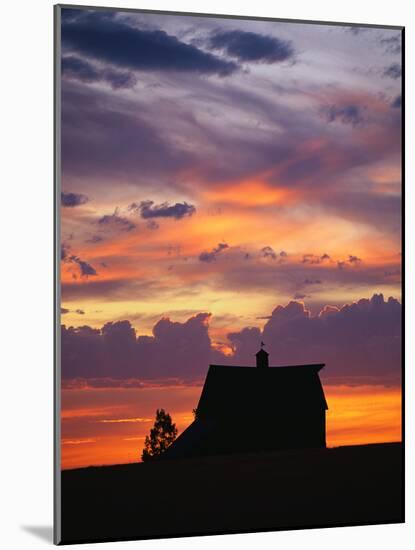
(162, 435)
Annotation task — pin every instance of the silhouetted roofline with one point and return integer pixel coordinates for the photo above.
(312, 366)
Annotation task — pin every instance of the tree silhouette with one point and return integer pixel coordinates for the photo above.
(162, 435)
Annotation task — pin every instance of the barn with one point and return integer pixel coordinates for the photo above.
(246, 409)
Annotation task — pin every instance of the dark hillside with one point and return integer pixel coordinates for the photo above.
(239, 493)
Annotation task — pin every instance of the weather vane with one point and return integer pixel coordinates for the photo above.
(262, 344)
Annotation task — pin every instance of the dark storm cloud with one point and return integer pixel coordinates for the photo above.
(105, 38)
(148, 209)
(73, 199)
(212, 254)
(347, 114)
(358, 341)
(393, 71)
(116, 221)
(79, 69)
(250, 46)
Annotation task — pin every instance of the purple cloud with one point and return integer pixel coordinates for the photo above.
(358, 342)
(116, 221)
(148, 209)
(393, 71)
(86, 269)
(71, 200)
(80, 69)
(103, 37)
(268, 252)
(347, 114)
(176, 350)
(213, 254)
(252, 47)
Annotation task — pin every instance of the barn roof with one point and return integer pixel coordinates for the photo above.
(244, 397)
(229, 389)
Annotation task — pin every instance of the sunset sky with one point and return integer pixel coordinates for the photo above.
(225, 182)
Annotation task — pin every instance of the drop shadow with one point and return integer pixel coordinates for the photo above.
(43, 532)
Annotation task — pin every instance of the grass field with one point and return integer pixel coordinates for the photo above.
(240, 493)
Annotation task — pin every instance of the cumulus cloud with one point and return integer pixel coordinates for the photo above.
(71, 200)
(357, 342)
(148, 209)
(103, 37)
(115, 352)
(252, 47)
(360, 341)
(80, 69)
(210, 256)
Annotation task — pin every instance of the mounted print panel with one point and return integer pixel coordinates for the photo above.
(229, 331)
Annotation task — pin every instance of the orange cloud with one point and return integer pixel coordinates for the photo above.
(249, 193)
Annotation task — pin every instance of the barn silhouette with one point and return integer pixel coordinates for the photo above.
(248, 409)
